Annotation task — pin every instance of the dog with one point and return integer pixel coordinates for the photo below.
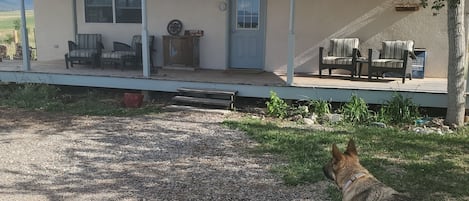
(354, 180)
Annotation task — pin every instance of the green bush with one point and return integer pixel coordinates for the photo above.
(276, 106)
(356, 111)
(320, 107)
(399, 110)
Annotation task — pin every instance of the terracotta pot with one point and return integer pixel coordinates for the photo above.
(133, 100)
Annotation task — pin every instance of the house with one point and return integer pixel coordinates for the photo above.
(251, 34)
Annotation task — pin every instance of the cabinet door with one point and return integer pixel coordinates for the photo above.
(177, 51)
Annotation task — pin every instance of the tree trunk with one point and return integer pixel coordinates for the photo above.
(456, 62)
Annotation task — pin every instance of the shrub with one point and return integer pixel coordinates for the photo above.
(399, 110)
(356, 111)
(276, 106)
(320, 107)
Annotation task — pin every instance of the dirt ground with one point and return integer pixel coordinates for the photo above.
(179, 154)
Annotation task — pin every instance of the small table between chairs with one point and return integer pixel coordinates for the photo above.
(360, 62)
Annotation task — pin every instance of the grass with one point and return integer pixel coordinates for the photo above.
(71, 100)
(428, 167)
(7, 27)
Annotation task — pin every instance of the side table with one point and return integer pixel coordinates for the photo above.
(360, 62)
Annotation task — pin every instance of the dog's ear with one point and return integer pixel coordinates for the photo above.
(336, 154)
(351, 148)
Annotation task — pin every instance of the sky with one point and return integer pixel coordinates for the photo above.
(14, 4)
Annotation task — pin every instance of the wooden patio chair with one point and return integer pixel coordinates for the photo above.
(342, 54)
(393, 58)
(123, 53)
(86, 49)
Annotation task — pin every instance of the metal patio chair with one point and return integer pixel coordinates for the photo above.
(342, 54)
(85, 49)
(395, 57)
(124, 53)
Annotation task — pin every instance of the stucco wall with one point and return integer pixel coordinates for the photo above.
(54, 27)
(316, 22)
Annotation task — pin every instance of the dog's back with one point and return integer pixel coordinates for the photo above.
(373, 190)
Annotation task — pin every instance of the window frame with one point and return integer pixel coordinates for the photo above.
(258, 18)
(139, 18)
(87, 6)
(114, 16)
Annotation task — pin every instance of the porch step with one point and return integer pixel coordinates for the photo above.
(214, 97)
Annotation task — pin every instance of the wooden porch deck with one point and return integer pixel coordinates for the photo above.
(245, 77)
(430, 92)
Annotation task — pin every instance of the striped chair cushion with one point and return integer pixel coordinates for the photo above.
(389, 63)
(88, 41)
(337, 60)
(117, 54)
(395, 49)
(343, 47)
(83, 53)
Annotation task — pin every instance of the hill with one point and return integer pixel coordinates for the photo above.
(7, 5)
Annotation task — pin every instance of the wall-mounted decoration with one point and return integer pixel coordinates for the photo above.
(174, 27)
(406, 5)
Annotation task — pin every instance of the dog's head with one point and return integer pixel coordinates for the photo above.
(342, 164)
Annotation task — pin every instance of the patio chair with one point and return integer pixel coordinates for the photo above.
(85, 49)
(393, 58)
(123, 53)
(342, 54)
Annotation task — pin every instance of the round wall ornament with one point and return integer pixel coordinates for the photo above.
(174, 27)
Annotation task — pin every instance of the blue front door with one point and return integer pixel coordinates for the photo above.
(247, 39)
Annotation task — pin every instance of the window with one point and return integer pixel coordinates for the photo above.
(128, 11)
(109, 11)
(98, 11)
(248, 14)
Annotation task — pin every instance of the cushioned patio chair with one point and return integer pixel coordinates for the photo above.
(342, 54)
(85, 49)
(395, 57)
(123, 53)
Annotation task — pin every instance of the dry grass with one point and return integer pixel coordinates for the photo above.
(7, 28)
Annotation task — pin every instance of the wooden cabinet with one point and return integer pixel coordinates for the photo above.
(181, 51)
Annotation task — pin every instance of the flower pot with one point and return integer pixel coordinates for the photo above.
(133, 100)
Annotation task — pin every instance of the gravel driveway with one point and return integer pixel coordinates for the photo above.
(175, 155)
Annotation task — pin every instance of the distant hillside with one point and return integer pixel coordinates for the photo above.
(6, 5)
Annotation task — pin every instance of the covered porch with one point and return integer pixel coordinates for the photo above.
(428, 92)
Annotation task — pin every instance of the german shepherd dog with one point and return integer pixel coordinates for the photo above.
(354, 180)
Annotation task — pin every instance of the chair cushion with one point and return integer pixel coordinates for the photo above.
(388, 63)
(337, 60)
(343, 47)
(83, 53)
(88, 41)
(117, 54)
(395, 49)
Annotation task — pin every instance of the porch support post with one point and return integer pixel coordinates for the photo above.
(75, 21)
(145, 46)
(24, 39)
(291, 45)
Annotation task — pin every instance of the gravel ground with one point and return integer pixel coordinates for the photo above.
(175, 155)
